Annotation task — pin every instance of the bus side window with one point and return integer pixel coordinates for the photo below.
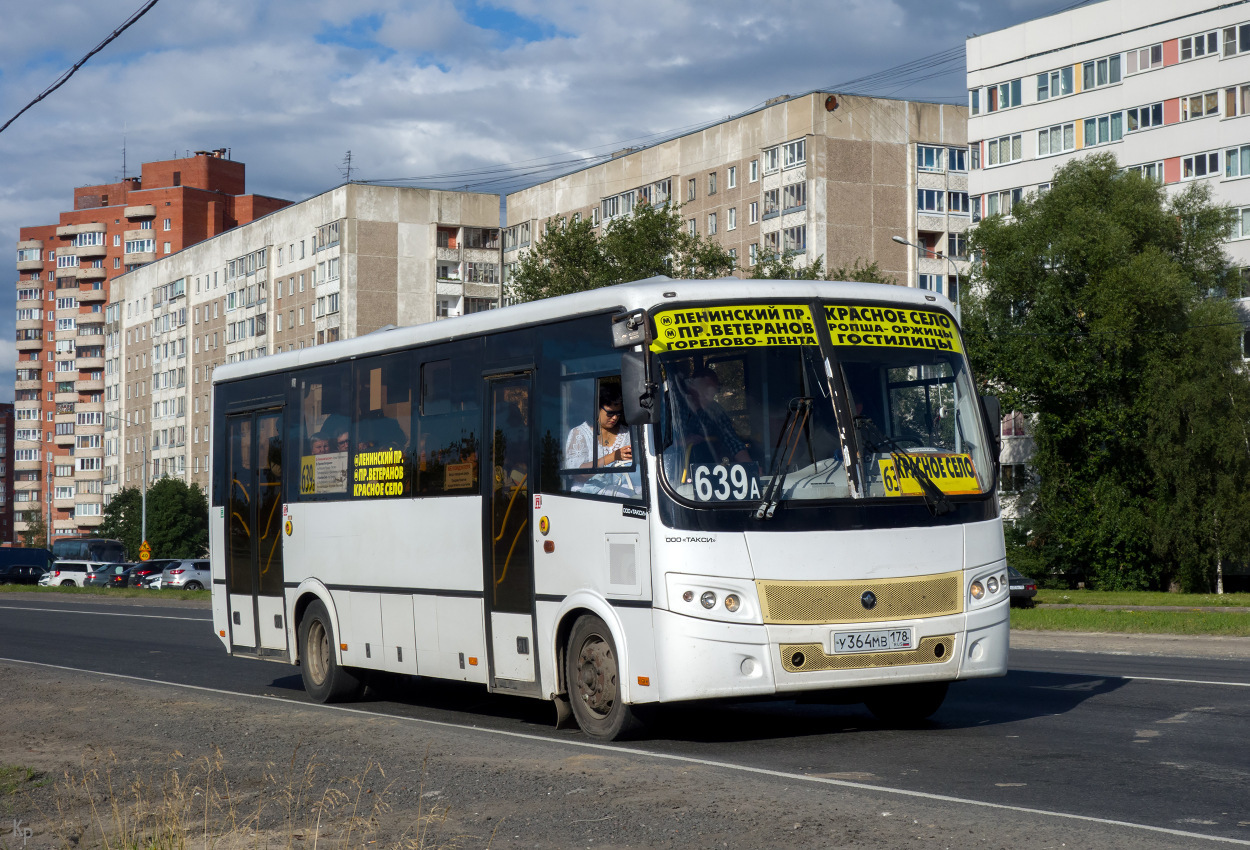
(382, 427)
(446, 450)
(323, 432)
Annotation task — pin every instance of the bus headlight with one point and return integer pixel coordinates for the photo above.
(732, 603)
(708, 599)
(977, 590)
(992, 584)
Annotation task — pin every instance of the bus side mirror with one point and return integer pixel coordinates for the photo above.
(994, 421)
(637, 393)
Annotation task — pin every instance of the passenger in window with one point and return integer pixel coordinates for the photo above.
(333, 436)
(610, 445)
(380, 433)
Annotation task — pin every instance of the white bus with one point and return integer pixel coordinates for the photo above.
(800, 496)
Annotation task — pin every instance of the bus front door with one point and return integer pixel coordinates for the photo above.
(509, 555)
(254, 573)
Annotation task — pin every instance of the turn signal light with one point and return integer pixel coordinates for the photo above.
(977, 590)
(732, 603)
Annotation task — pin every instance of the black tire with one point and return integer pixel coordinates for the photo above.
(592, 674)
(68, 583)
(193, 585)
(907, 705)
(324, 680)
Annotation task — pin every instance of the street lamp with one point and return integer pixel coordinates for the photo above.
(936, 255)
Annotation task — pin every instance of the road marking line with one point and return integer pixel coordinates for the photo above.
(105, 613)
(1082, 686)
(587, 745)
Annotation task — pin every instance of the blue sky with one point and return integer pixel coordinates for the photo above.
(424, 88)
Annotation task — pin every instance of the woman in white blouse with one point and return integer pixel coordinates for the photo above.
(610, 446)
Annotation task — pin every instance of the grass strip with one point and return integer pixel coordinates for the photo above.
(124, 592)
(1143, 598)
(1230, 624)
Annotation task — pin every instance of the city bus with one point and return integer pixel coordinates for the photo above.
(88, 549)
(649, 493)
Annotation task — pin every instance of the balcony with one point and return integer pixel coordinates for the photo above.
(85, 252)
(93, 296)
(63, 504)
(141, 211)
(66, 418)
(90, 521)
(29, 344)
(65, 526)
(139, 258)
(67, 313)
(30, 324)
(91, 364)
(30, 265)
(92, 273)
(63, 439)
(28, 465)
(27, 385)
(89, 386)
(26, 485)
(66, 397)
(89, 474)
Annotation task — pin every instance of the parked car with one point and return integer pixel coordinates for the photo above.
(1022, 589)
(12, 556)
(146, 569)
(70, 573)
(21, 573)
(187, 575)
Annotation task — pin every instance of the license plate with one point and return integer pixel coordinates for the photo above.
(885, 640)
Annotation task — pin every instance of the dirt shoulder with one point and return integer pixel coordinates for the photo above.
(1175, 646)
(157, 765)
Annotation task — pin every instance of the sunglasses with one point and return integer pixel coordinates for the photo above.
(612, 412)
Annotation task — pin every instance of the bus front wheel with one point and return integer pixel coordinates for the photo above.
(592, 674)
(905, 705)
(324, 679)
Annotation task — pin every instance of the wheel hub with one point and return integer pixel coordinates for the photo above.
(596, 676)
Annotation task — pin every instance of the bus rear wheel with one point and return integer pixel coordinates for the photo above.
(906, 705)
(324, 679)
(592, 674)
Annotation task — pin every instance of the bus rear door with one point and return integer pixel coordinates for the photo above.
(254, 575)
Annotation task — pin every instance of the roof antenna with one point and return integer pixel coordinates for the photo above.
(346, 168)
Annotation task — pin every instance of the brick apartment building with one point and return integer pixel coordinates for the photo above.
(6, 473)
(61, 433)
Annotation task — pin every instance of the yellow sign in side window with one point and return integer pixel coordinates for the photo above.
(952, 473)
(729, 327)
(379, 473)
(892, 327)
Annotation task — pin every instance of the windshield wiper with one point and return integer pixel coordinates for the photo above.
(934, 499)
(800, 410)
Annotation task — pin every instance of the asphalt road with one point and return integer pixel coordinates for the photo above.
(1147, 741)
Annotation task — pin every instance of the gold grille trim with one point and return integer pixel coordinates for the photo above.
(812, 657)
(809, 603)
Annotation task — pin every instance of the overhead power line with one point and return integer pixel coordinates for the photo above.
(64, 78)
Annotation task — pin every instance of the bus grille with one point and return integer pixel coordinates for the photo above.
(816, 602)
(811, 657)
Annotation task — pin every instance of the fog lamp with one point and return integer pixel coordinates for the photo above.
(708, 599)
(992, 584)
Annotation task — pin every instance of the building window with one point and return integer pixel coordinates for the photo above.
(1004, 150)
(1145, 58)
(691, 188)
(1104, 129)
(1013, 478)
(957, 202)
(1144, 117)
(692, 227)
(974, 101)
(1237, 162)
(1058, 139)
(754, 170)
(928, 158)
(1241, 226)
(957, 246)
(794, 153)
(1054, 83)
(731, 178)
(1236, 39)
(956, 159)
(1100, 72)
(731, 222)
(794, 239)
(1197, 46)
(930, 200)
(753, 213)
(1236, 101)
(711, 183)
(772, 160)
(1004, 95)
(165, 225)
(711, 224)
(1200, 165)
(1200, 105)
(1151, 170)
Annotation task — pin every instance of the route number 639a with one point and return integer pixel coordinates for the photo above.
(725, 483)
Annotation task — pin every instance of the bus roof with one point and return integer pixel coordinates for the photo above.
(643, 294)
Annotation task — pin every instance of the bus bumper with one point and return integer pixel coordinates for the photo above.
(699, 659)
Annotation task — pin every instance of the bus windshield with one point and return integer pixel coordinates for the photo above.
(749, 414)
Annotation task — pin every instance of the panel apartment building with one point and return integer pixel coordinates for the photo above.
(1163, 85)
(820, 175)
(65, 272)
(344, 263)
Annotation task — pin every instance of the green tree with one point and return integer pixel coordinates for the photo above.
(1093, 312)
(177, 519)
(774, 266)
(36, 533)
(572, 257)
